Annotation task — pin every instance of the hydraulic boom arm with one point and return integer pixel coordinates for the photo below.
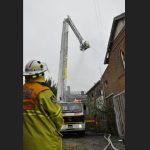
(83, 44)
(62, 76)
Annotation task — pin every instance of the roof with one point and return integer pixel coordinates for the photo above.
(114, 25)
(93, 86)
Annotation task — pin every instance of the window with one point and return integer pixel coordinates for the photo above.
(123, 58)
(105, 83)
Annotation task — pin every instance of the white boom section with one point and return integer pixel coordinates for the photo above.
(83, 44)
(62, 76)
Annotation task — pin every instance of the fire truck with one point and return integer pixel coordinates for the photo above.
(73, 114)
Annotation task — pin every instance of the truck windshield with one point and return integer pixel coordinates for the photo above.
(71, 107)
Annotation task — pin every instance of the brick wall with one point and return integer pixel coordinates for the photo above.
(115, 77)
(115, 72)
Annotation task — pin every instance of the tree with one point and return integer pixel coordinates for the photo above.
(52, 85)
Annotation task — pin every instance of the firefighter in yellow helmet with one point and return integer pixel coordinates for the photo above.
(42, 118)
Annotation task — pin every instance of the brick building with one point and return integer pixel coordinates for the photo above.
(114, 75)
(110, 103)
(95, 110)
(113, 79)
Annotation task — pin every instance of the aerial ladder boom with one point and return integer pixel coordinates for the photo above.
(83, 44)
(62, 76)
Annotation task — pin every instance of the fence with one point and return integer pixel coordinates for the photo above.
(119, 107)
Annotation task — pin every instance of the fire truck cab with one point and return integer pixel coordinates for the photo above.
(73, 114)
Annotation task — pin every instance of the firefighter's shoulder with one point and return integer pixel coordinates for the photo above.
(48, 94)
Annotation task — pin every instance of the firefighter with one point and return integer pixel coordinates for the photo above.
(42, 118)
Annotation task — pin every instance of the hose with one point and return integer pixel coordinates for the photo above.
(109, 143)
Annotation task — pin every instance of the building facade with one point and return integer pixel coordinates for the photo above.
(95, 98)
(107, 97)
(113, 78)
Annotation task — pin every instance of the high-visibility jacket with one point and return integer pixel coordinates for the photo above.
(42, 118)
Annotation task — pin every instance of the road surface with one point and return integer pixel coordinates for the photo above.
(91, 141)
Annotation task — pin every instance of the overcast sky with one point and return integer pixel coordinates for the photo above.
(42, 30)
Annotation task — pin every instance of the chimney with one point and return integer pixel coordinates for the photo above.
(82, 92)
(68, 90)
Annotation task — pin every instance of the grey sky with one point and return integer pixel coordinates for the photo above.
(42, 36)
